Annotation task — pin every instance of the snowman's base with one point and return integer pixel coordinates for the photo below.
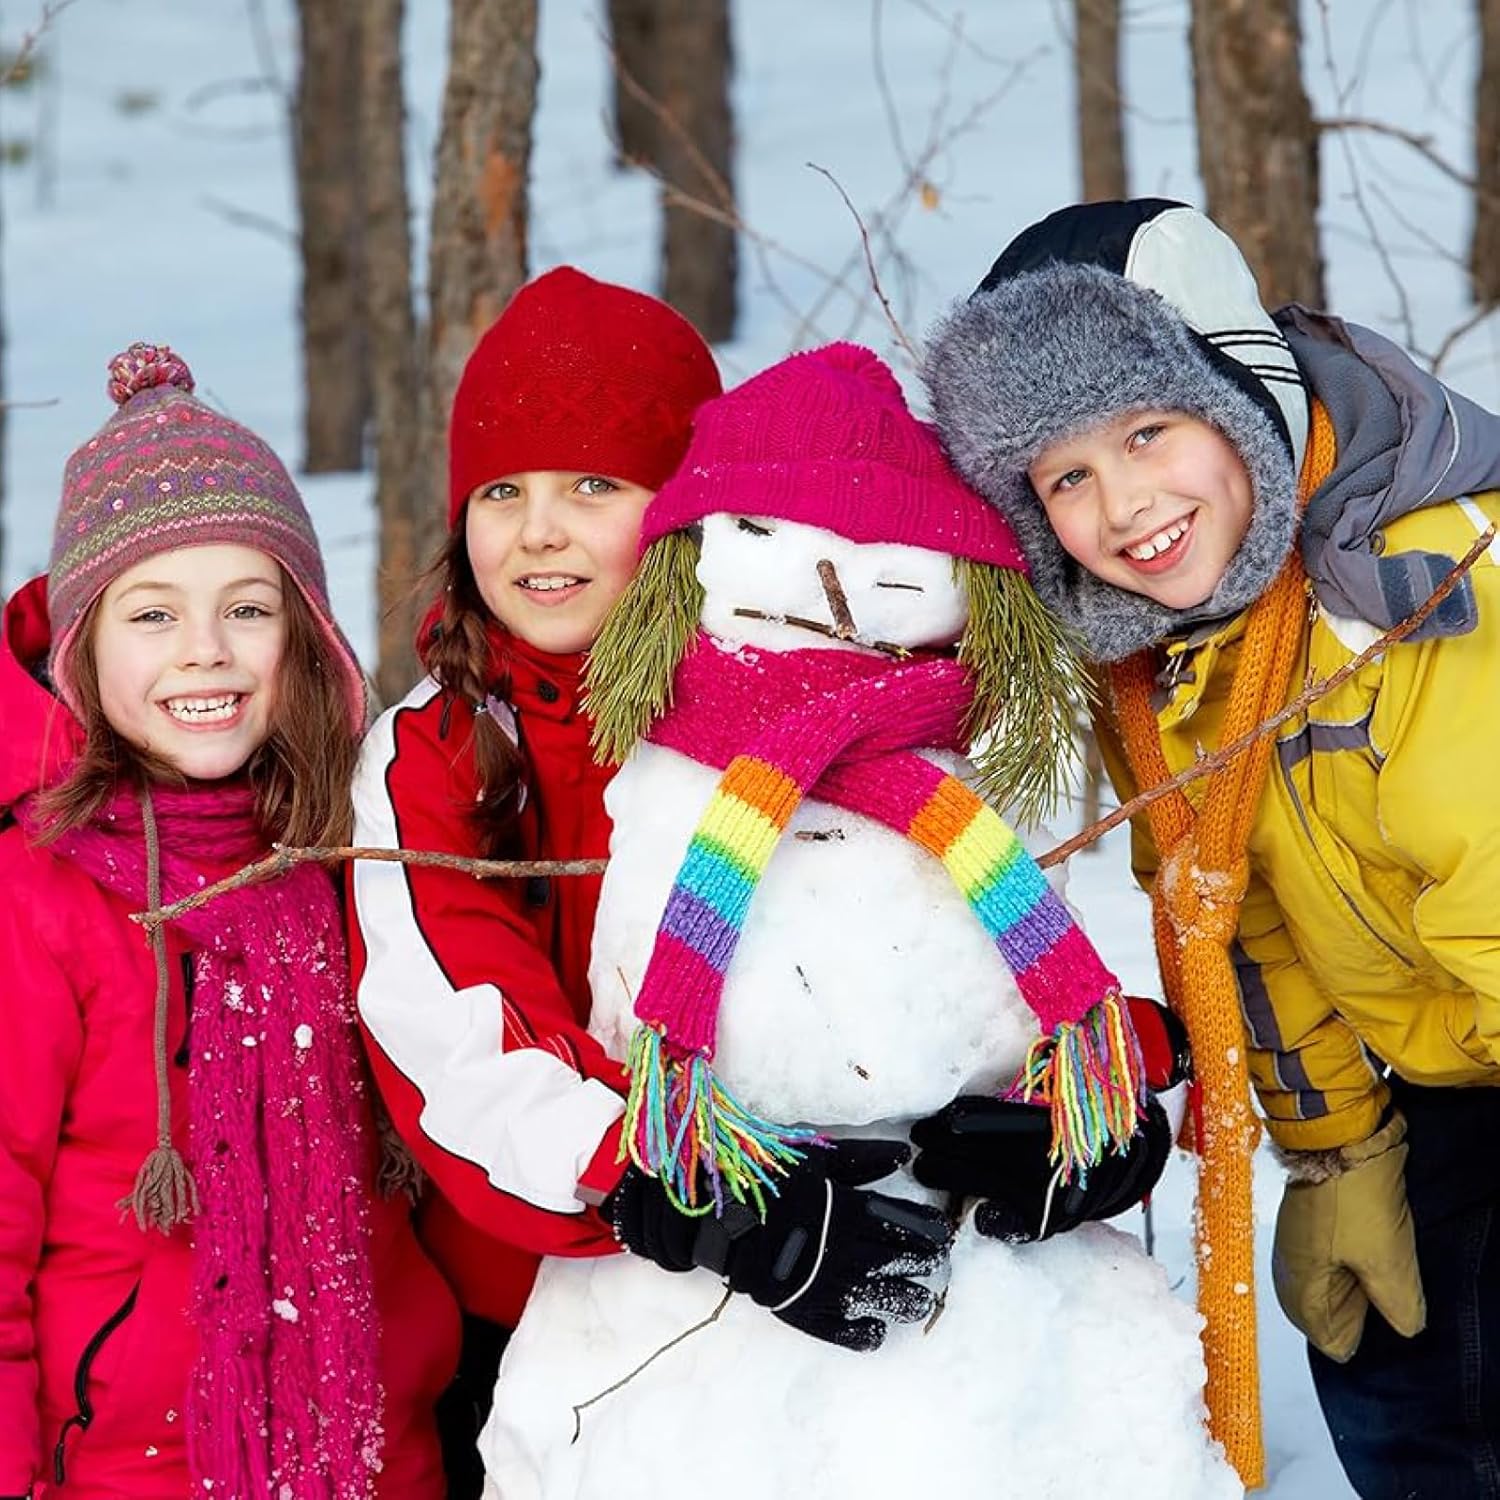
(1053, 1372)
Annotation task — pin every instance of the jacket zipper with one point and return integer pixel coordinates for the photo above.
(84, 1416)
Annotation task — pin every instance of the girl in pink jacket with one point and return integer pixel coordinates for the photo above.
(200, 1291)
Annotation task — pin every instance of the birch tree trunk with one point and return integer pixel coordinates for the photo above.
(1101, 126)
(694, 153)
(1257, 144)
(395, 367)
(479, 211)
(335, 374)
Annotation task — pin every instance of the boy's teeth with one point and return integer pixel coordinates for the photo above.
(1158, 543)
(203, 710)
(547, 584)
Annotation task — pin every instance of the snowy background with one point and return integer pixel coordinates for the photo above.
(147, 193)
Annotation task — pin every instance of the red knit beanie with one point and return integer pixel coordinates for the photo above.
(578, 375)
(825, 438)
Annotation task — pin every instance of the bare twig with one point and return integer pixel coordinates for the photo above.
(21, 60)
(1421, 144)
(650, 1359)
(1206, 765)
(886, 648)
(864, 236)
(283, 857)
(838, 601)
(244, 218)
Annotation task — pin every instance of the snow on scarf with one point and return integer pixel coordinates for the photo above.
(843, 726)
(285, 1398)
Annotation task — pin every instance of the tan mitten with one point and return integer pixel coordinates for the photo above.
(1345, 1240)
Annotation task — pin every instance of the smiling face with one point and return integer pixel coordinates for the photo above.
(187, 646)
(895, 595)
(551, 551)
(1153, 502)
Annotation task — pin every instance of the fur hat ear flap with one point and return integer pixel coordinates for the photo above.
(650, 628)
(1030, 692)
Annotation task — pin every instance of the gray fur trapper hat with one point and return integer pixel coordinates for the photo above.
(1099, 310)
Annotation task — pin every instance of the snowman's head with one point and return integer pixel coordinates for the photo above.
(814, 511)
(783, 585)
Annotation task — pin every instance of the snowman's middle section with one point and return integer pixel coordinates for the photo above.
(863, 987)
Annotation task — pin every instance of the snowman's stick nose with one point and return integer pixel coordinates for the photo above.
(844, 628)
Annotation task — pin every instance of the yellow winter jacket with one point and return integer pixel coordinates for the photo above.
(1370, 935)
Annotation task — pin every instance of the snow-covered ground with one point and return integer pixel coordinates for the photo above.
(156, 202)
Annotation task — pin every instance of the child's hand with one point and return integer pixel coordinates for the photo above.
(831, 1258)
(998, 1150)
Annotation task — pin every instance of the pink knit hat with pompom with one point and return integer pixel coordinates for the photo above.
(166, 471)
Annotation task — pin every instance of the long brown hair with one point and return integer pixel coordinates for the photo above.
(302, 774)
(458, 654)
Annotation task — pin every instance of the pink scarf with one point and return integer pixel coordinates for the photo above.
(285, 1399)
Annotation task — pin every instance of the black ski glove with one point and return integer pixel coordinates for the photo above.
(832, 1258)
(997, 1150)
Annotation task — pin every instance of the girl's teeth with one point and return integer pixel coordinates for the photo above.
(203, 710)
(546, 585)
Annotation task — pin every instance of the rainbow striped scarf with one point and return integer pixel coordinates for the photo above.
(843, 726)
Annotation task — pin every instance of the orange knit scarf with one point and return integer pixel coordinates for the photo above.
(1195, 906)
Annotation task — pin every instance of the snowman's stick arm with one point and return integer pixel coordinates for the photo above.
(283, 857)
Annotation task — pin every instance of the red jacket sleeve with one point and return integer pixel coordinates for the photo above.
(507, 1102)
(41, 1040)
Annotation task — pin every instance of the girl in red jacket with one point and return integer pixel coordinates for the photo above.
(574, 407)
(176, 697)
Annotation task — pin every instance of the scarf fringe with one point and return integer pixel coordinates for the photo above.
(1091, 1075)
(682, 1124)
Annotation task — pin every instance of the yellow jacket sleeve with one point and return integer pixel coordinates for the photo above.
(1437, 723)
(1316, 1084)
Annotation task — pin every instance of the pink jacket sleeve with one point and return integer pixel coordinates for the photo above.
(41, 1039)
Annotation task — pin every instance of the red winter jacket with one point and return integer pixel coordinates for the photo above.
(96, 1343)
(474, 994)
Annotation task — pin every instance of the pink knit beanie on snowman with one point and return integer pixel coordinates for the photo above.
(825, 438)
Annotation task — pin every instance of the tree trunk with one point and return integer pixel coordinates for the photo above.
(632, 34)
(1101, 127)
(395, 372)
(1484, 248)
(479, 210)
(335, 376)
(1257, 145)
(694, 151)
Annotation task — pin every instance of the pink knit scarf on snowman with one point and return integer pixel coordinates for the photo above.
(285, 1397)
(844, 727)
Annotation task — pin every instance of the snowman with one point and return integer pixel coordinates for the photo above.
(817, 939)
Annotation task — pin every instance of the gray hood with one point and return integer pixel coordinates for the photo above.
(1405, 441)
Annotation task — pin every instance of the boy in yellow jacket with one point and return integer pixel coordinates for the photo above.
(1169, 455)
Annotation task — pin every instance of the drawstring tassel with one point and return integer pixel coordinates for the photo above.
(1091, 1075)
(165, 1194)
(682, 1123)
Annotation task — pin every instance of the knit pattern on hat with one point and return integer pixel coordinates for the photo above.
(581, 376)
(166, 471)
(1056, 352)
(825, 438)
(844, 727)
